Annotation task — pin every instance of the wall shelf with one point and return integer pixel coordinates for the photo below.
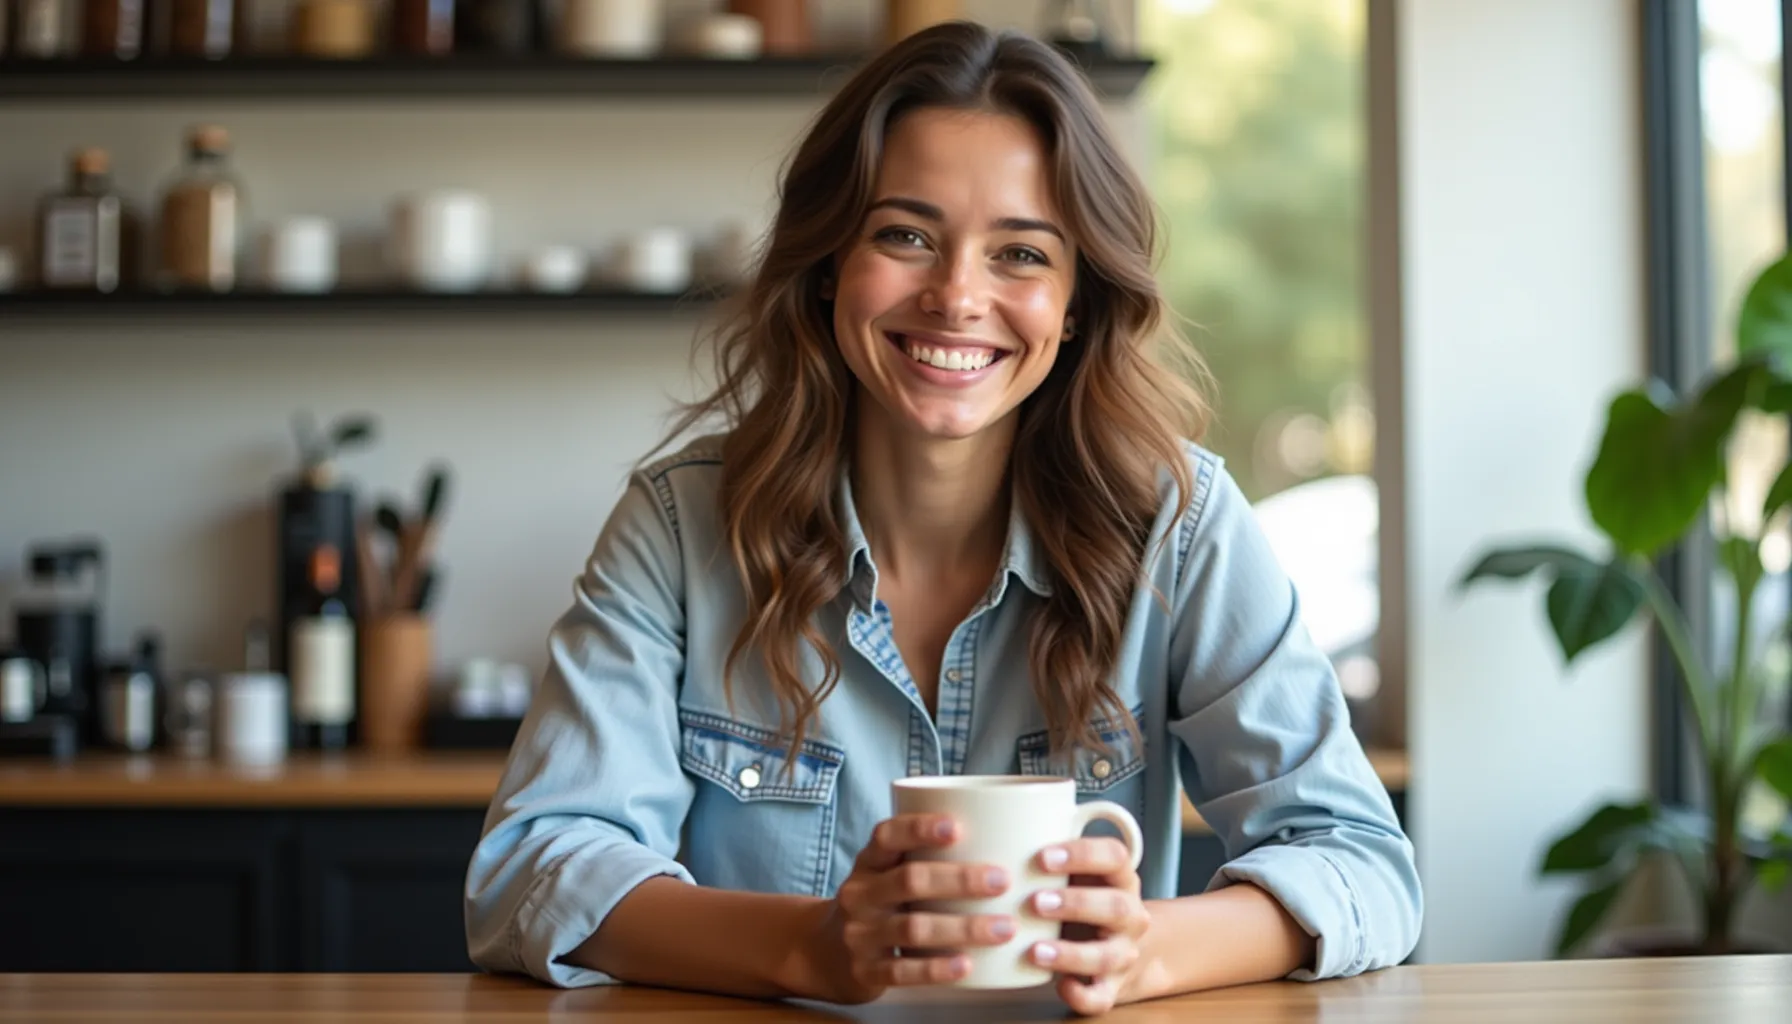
(464, 75)
(63, 306)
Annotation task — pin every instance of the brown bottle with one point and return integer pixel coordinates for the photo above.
(205, 28)
(785, 23)
(112, 28)
(202, 218)
(84, 231)
(423, 26)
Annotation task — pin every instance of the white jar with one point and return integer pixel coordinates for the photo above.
(441, 241)
(610, 28)
(298, 254)
(653, 260)
(252, 718)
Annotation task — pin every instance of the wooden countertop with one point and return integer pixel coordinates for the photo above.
(435, 779)
(1734, 990)
(431, 779)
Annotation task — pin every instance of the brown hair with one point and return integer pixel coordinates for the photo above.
(1092, 440)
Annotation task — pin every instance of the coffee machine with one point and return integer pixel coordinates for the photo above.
(57, 625)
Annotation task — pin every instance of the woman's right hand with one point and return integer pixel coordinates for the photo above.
(870, 940)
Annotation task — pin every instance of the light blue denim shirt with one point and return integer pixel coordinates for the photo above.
(631, 764)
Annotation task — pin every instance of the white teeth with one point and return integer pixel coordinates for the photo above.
(945, 359)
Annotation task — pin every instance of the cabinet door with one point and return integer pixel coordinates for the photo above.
(148, 890)
(381, 890)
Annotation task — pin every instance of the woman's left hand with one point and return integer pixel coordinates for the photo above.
(1097, 959)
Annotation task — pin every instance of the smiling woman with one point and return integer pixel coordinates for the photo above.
(957, 525)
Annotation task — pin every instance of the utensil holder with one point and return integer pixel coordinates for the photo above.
(395, 663)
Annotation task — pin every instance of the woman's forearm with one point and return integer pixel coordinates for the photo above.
(1230, 936)
(669, 933)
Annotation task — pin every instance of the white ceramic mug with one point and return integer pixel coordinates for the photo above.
(441, 240)
(23, 687)
(1005, 821)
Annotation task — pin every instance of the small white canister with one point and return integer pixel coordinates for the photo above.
(611, 28)
(298, 254)
(252, 718)
(653, 260)
(441, 241)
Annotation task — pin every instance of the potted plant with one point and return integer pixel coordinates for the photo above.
(1661, 463)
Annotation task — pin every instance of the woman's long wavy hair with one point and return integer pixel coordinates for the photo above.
(1092, 442)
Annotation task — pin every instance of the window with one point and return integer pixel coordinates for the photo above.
(1742, 126)
(1257, 157)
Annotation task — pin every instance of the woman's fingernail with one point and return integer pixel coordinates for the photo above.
(996, 878)
(1045, 953)
(961, 966)
(1002, 929)
(942, 829)
(1054, 858)
(1048, 901)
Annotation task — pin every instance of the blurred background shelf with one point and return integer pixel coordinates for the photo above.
(462, 75)
(254, 302)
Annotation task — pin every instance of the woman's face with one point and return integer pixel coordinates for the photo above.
(949, 303)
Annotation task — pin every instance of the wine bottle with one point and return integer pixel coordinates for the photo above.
(322, 659)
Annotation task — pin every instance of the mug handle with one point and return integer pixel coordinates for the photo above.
(1117, 816)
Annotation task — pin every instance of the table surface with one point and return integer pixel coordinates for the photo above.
(354, 779)
(1732, 990)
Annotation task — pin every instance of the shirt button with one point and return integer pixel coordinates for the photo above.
(749, 777)
(1102, 768)
(953, 675)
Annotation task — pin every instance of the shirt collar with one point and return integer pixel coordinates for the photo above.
(1022, 558)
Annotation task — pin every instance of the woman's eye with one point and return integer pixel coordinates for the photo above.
(1022, 254)
(901, 236)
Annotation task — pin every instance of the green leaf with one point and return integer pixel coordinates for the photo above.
(1764, 325)
(1586, 913)
(1741, 557)
(1656, 465)
(351, 432)
(1779, 494)
(1777, 397)
(1774, 765)
(1589, 604)
(1516, 563)
(1611, 830)
(1588, 601)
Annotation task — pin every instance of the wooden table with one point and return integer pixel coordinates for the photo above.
(1730, 990)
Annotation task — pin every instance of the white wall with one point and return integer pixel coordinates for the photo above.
(1523, 313)
(164, 434)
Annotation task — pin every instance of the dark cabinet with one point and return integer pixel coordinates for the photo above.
(234, 890)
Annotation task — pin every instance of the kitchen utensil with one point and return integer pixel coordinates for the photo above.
(374, 598)
(395, 662)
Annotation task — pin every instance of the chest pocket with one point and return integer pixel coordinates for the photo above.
(762, 821)
(1116, 773)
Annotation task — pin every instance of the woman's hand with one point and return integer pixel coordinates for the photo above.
(1097, 959)
(870, 941)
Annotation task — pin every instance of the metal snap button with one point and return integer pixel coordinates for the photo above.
(1102, 768)
(749, 777)
(953, 675)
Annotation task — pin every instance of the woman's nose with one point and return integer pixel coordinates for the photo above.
(958, 291)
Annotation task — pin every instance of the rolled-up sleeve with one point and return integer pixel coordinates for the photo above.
(1267, 754)
(592, 800)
